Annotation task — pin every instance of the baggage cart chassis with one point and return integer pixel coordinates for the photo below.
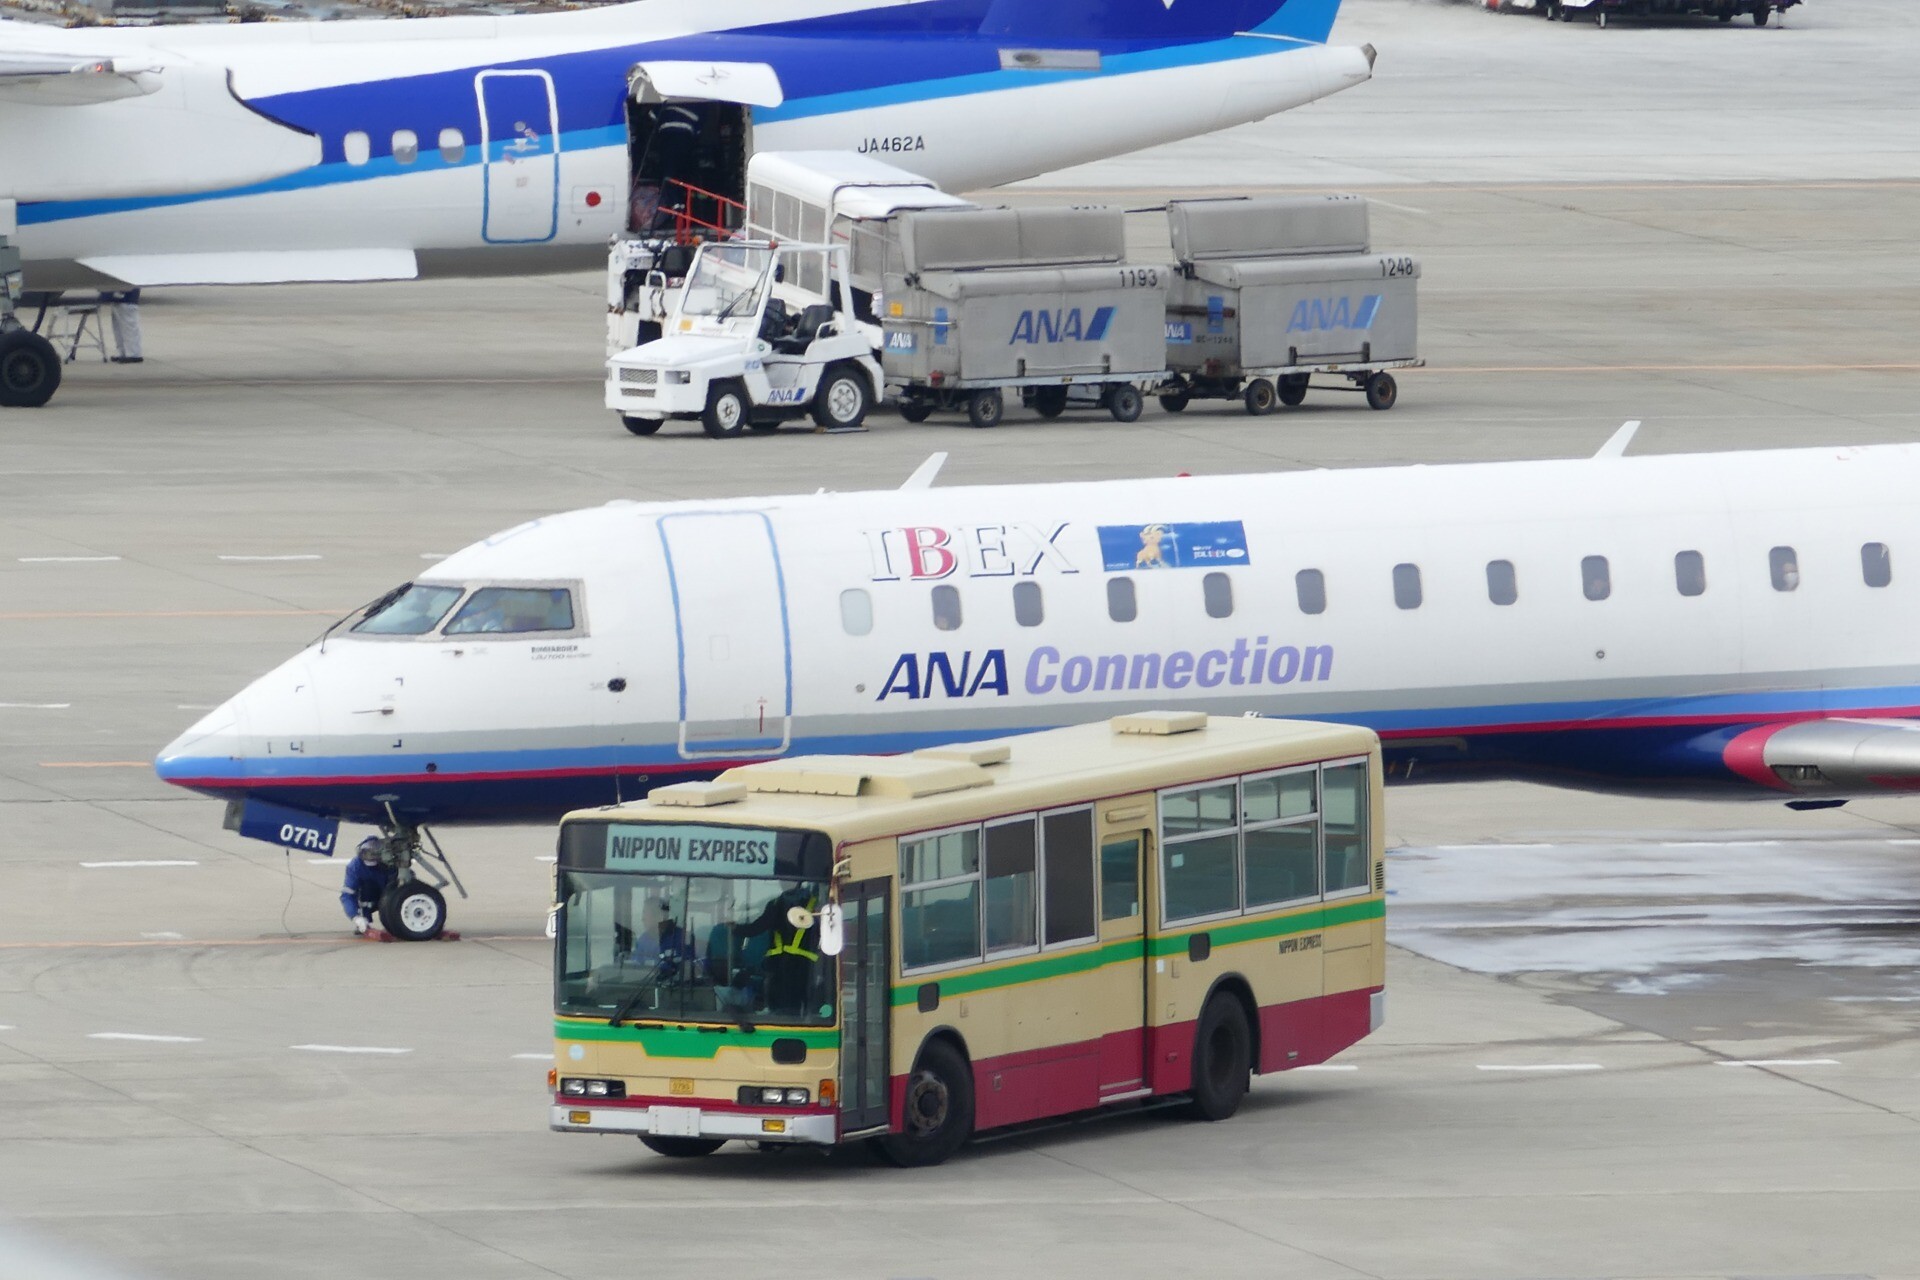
(1262, 390)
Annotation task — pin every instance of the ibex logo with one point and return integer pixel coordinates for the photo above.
(1061, 326)
(1321, 315)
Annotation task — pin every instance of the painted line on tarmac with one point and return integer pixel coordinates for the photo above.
(71, 615)
(1778, 1062)
(1875, 999)
(545, 857)
(433, 555)
(164, 935)
(66, 559)
(7, 1026)
(143, 1038)
(35, 706)
(265, 559)
(142, 862)
(530, 1057)
(346, 1048)
(1327, 1066)
(96, 764)
(1538, 1066)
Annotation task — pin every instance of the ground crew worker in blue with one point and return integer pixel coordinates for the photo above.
(368, 880)
(791, 953)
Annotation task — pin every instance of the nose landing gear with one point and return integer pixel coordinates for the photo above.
(414, 909)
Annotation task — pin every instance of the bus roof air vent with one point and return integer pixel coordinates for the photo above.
(981, 753)
(1160, 724)
(698, 795)
(900, 777)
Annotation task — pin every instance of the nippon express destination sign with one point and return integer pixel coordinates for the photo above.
(669, 849)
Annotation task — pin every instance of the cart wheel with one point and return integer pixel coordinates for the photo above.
(1124, 402)
(1258, 396)
(1176, 401)
(1293, 389)
(1049, 402)
(986, 408)
(726, 413)
(641, 426)
(1382, 391)
(1761, 13)
(1601, 20)
(915, 410)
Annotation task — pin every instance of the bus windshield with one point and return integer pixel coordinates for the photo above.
(651, 945)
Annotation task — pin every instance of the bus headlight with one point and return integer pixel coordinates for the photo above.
(773, 1097)
(797, 1097)
(579, 1088)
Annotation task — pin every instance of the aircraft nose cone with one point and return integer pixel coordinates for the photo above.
(210, 749)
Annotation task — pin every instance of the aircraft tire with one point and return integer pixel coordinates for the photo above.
(937, 1119)
(1049, 402)
(1222, 1058)
(1258, 397)
(1292, 389)
(726, 412)
(681, 1148)
(413, 911)
(986, 408)
(641, 426)
(29, 369)
(842, 401)
(1124, 402)
(1382, 391)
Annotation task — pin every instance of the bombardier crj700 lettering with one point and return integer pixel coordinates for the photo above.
(1727, 620)
(385, 150)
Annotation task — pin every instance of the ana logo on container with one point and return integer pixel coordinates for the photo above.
(1322, 315)
(1061, 326)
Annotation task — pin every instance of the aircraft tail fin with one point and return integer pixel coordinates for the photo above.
(1058, 22)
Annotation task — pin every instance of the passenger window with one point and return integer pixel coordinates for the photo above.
(1218, 590)
(946, 608)
(1876, 564)
(513, 610)
(1121, 606)
(1120, 878)
(1406, 585)
(406, 146)
(411, 610)
(1596, 581)
(1502, 588)
(1311, 587)
(1690, 573)
(1066, 847)
(453, 146)
(1012, 892)
(856, 611)
(357, 147)
(940, 919)
(1344, 812)
(1027, 609)
(1785, 566)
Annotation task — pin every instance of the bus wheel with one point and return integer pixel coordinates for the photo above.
(682, 1148)
(937, 1117)
(1222, 1058)
(413, 911)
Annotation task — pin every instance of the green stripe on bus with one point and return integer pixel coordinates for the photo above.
(686, 1042)
(1224, 933)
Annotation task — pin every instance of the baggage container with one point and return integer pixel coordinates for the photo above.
(1272, 290)
(981, 301)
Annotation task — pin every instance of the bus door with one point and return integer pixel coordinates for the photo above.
(730, 619)
(520, 156)
(1124, 1048)
(865, 993)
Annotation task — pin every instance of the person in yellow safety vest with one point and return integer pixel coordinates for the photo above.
(791, 952)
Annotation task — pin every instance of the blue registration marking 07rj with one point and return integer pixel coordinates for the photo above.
(290, 828)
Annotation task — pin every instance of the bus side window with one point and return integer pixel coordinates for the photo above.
(1344, 810)
(1120, 878)
(940, 899)
(1067, 847)
(1012, 892)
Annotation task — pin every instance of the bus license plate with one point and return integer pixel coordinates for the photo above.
(676, 1122)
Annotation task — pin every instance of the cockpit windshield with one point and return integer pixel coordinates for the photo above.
(727, 281)
(510, 609)
(736, 943)
(410, 610)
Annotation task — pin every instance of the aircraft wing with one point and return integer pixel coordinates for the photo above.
(1835, 757)
(53, 79)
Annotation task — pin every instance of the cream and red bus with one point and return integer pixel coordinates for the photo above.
(916, 948)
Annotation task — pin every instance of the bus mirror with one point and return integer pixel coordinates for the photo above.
(833, 939)
(800, 918)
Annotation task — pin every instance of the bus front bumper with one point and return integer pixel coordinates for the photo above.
(693, 1122)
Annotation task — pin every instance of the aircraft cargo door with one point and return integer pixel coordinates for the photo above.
(519, 155)
(730, 616)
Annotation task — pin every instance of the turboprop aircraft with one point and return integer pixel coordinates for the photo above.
(1718, 621)
(387, 150)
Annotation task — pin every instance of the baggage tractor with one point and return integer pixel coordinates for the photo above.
(1272, 290)
(980, 302)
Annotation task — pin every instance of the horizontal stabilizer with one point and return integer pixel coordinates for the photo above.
(292, 267)
(71, 80)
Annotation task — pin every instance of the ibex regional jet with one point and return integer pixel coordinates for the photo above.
(1732, 621)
